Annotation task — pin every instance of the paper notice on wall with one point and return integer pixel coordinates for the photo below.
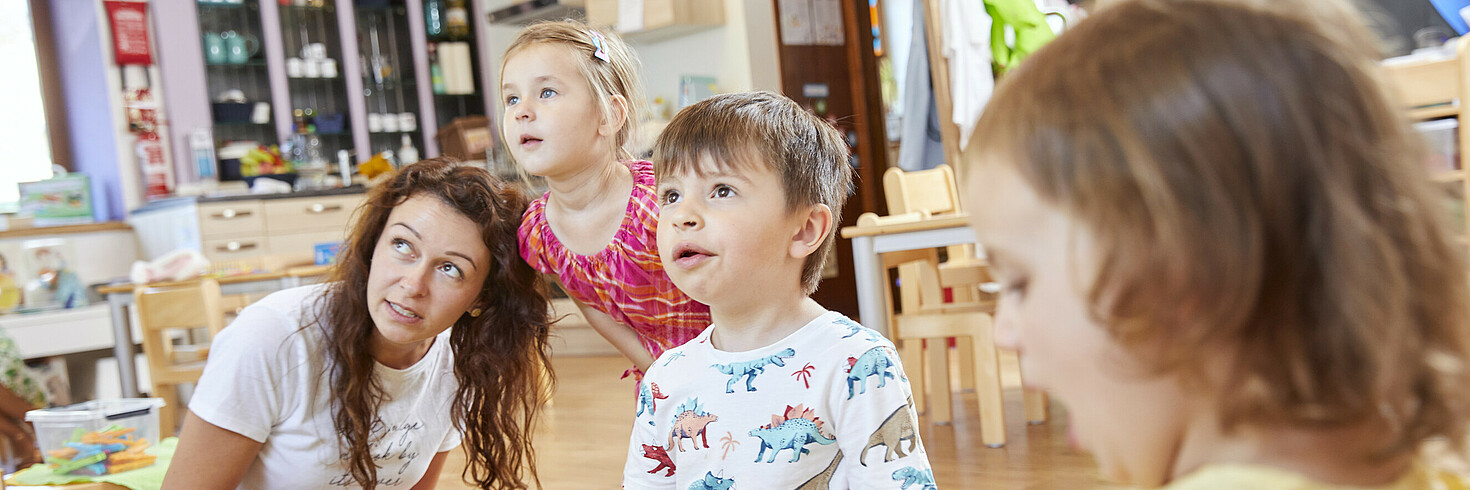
(796, 22)
(630, 15)
(827, 23)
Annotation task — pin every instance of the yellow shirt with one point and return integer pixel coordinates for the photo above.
(1235, 476)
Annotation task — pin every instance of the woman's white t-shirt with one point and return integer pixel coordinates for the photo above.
(267, 379)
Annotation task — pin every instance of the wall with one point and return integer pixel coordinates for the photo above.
(741, 54)
(84, 63)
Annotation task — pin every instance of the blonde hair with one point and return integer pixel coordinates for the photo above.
(615, 76)
(1251, 190)
(764, 128)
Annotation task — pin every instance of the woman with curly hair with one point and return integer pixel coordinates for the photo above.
(427, 333)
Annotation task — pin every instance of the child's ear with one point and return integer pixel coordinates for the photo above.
(816, 222)
(617, 116)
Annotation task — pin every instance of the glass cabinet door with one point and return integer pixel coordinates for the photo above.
(313, 49)
(237, 80)
(390, 87)
(454, 62)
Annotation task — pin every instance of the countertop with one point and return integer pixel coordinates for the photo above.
(181, 201)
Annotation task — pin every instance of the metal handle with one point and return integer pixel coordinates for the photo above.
(319, 208)
(231, 214)
(234, 247)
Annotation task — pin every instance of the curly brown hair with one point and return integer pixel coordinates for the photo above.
(501, 360)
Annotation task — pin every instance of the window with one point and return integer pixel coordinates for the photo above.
(23, 131)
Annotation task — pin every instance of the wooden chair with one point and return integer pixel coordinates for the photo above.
(928, 316)
(161, 312)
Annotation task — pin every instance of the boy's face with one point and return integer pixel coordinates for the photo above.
(1046, 261)
(726, 238)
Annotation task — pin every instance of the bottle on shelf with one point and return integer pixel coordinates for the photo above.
(456, 19)
(407, 153)
(436, 73)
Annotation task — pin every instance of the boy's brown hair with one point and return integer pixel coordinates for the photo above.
(1255, 198)
(763, 128)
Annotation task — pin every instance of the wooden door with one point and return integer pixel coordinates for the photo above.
(840, 83)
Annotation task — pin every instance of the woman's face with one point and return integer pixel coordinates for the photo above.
(427, 271)
(1045, 261)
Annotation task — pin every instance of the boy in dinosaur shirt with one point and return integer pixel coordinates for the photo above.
(791, 395)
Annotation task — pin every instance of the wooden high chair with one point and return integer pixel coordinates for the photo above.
(177, 307)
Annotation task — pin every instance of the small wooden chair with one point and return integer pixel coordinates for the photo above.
(174, 307)
(927, 315)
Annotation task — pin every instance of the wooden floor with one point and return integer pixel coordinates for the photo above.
(583, 442)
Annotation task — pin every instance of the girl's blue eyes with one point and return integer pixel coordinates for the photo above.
(546, 93)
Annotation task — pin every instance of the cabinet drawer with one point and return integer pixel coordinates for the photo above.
(311, 214)
(231, 249)
(299, 248)
(234, 218)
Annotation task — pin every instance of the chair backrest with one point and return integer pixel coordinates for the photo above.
(185, 306)
(192, 305)
(933, 191)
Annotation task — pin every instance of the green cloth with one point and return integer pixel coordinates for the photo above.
(146, 478)
(1029, 24)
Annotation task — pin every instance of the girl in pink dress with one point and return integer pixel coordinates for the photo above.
(572, 95)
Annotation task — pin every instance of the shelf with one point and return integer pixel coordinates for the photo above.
(388, 85)
(395, 9)
(240, 124)
(301, 8)
(222, 5)
(1450, 176)
(251, 63)
(1434, 112)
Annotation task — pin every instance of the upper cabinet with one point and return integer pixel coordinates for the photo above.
(656, 20)
(237, 80)
(389, 78)
(322, 79)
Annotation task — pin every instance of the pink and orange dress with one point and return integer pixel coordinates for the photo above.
(625, 280)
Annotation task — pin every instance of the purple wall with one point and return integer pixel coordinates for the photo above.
(182, 86)
(83, 66)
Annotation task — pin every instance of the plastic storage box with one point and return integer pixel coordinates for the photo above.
(1443, 153)
(98, 437)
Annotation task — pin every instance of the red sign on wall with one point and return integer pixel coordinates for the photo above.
(129, 21)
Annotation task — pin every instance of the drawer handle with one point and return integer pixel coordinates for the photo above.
(231, 214)
(319, 208)
(235, 247)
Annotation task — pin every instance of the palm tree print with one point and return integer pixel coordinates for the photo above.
(804, 374)
(727, 443)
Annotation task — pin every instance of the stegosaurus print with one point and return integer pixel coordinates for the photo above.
(793, 430)
(690, 421)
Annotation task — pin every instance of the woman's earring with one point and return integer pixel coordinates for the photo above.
(475, 312)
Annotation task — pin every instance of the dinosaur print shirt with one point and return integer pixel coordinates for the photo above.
(826, 407)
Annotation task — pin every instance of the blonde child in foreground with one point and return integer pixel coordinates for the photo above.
(572, 95)
(794, 395)
(1218, 248)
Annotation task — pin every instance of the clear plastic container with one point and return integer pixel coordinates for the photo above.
(1443, 153)
(98, 437)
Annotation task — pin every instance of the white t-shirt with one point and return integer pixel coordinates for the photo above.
(826, 407)
(267, 379)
